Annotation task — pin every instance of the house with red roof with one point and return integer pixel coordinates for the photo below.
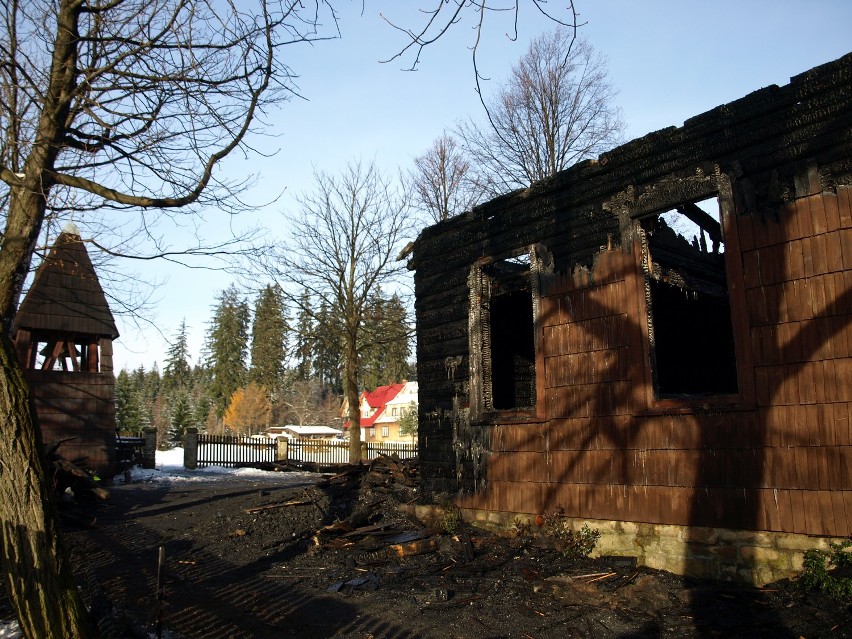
(382, 409)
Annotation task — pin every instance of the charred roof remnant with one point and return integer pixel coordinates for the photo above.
(63, 335)
(659, 337)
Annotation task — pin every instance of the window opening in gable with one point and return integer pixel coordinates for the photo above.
(689, 318)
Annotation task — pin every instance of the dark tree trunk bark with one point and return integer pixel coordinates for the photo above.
(35, 566)
(350, 389)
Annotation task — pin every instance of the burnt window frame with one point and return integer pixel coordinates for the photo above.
(484, 287)
(665, 200)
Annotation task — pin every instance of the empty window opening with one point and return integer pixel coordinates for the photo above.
(512, 351)
(689, 310)
(503, 323)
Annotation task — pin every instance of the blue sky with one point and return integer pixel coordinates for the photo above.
(668, 60)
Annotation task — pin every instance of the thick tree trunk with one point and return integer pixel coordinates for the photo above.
(35, 567)
(350, 389)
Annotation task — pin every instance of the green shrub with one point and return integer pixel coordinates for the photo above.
(829, 571)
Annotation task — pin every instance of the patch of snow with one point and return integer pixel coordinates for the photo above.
(169, 469)
(9, 629)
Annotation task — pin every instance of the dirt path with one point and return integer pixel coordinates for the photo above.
(237, 574)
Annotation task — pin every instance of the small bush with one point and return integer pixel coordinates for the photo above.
(452, 521)
(829, 571)
(573, 543)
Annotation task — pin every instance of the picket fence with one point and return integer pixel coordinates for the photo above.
(230, 452)
(201, 450)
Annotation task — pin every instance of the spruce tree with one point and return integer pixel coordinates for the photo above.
(129, 409)
(181, 415)
(328, 350)
(177, 371)
(408, 422)
(268, 340)
(305, 338)
(396, 334)
(385, 346)
(227, 346)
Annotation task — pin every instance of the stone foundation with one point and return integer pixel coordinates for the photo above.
(753, 557)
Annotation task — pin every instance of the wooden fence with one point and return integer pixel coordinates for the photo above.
(228, 451)
(201, 450)
(334, 452)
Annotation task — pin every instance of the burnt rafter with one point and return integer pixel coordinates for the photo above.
(704, 221)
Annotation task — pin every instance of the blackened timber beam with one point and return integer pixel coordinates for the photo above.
(705, 221)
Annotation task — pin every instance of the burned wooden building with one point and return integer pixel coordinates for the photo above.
(658, 342)
(63, 334)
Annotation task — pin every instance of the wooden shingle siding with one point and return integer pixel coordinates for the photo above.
(775, 455)
(76, 405)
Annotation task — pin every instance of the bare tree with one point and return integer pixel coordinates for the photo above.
(108, 106)
(307, 402)
(345, 241)
(555, 109)
(442, 180)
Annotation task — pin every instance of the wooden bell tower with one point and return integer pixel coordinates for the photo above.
(63, 334)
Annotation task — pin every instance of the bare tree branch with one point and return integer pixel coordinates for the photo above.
(447, 14)
(555, 109)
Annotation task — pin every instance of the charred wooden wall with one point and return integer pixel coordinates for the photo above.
(600, 443)
(79, 406)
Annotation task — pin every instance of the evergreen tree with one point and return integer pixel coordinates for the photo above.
(304, 338)
(328, 350)
(202, 403)
(385, 347)
(138, 398)
(408, 422)
(129, 409)
(269, 340)
(181, 415)
(151, 381)
(227, 346)
(396, 333)
(176, 374)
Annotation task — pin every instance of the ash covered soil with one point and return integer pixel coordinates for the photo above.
(338, 557)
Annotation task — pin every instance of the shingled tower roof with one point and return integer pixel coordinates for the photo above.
(66, 294)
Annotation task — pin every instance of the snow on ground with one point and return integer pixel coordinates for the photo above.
(169, 470)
